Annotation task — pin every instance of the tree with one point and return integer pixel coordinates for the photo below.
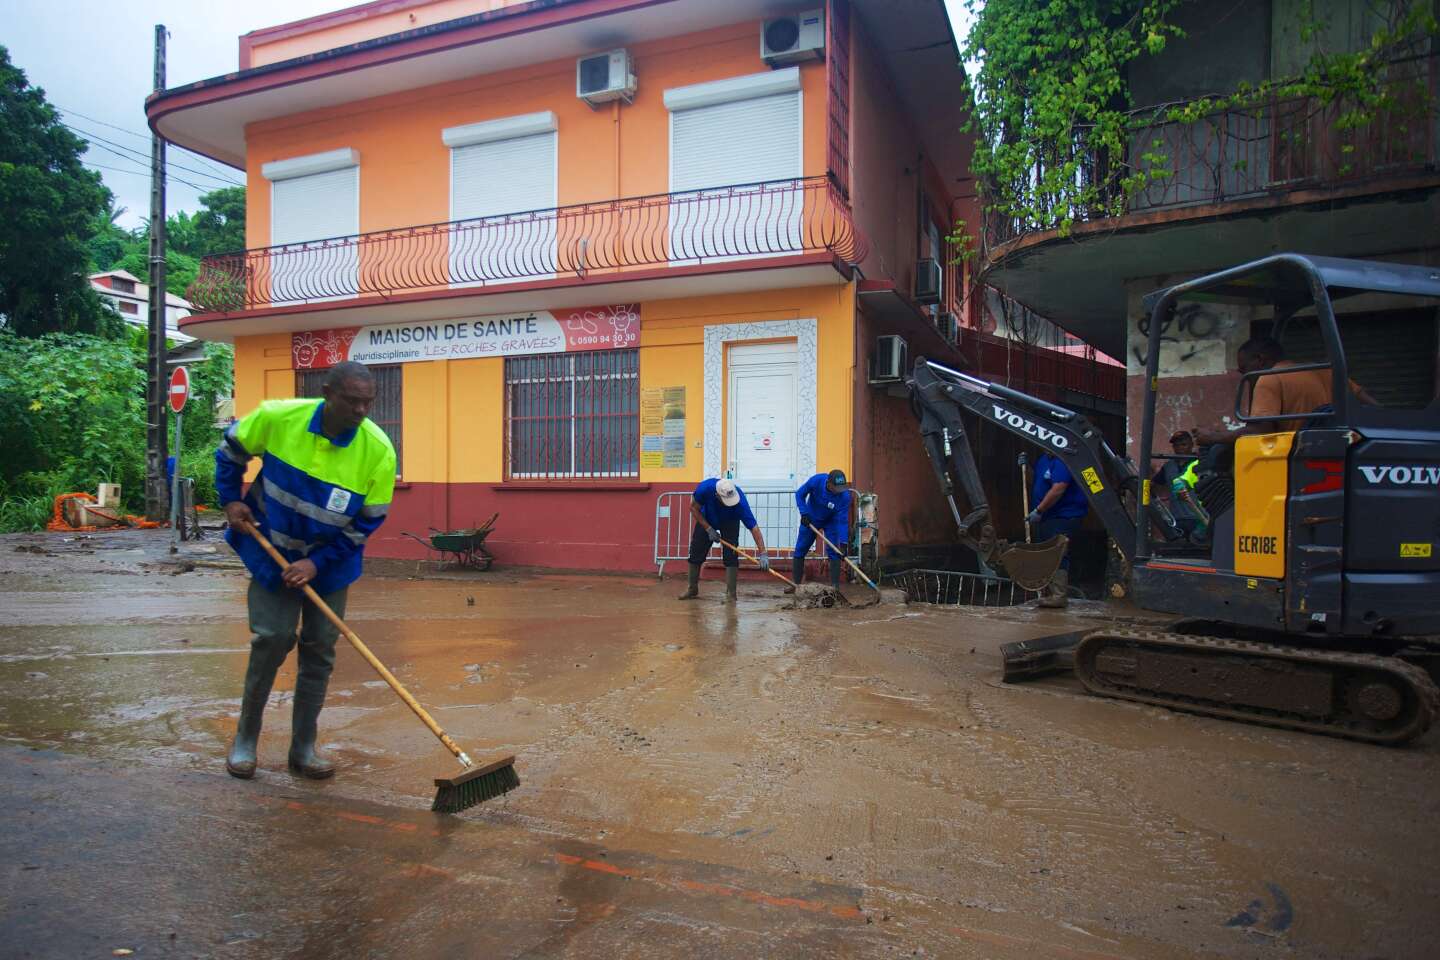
(50, 203)
(220, 223)
(217, 227)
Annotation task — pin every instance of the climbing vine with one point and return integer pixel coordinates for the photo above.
(1058, 140)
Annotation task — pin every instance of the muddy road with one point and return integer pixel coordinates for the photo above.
(698, 780)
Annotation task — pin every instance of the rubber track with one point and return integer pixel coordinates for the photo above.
(1422, 688)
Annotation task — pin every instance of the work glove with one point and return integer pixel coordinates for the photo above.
(763, 560)
(1033, 517)
(714, 535)
(806, 521)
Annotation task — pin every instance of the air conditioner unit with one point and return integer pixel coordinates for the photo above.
(927, 281)
(604, 77)
(948, 326)
(792, 39)
(887, 363)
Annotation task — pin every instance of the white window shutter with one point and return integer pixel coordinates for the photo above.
(744, 141)
(747, 141)
(320, 206)
(509, 187)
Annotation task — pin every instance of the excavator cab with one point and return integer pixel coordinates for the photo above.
(1323, 517)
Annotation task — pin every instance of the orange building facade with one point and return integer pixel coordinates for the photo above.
(597, 251)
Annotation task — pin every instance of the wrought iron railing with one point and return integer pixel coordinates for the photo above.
(585, 241)
(1232, 154)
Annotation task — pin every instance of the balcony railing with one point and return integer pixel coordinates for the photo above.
(1234, 154)
(585, 241)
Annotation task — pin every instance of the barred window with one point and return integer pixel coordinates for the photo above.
(573, 415)
(388, 406)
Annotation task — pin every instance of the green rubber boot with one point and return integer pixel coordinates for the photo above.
(797, 573)
(693, 590)
(304, 760)
(259, 677)
(732, 576)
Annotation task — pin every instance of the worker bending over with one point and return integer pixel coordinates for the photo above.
(719, 507)
(825, 502)
(326, 477)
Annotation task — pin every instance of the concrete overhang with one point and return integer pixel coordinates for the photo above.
(920, 52)
(1079, 281)
(210, 116)
(636, 286)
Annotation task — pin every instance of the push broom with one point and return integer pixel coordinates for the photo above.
(477, 782)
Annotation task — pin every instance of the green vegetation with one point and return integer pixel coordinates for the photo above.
(72, 373)
(1054, 114)
(49, 201)
(217, 227)
(72, 415)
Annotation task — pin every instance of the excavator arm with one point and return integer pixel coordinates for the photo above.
(941, 396)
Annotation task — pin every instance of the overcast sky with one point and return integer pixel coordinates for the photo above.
(94, 59)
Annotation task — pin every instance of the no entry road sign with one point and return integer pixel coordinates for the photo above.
(179, 388)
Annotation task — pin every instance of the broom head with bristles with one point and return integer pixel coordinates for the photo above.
(474, 786)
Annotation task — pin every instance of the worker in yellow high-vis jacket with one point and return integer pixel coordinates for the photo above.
(326, 478)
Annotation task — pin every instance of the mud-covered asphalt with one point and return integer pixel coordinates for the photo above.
(698, 780)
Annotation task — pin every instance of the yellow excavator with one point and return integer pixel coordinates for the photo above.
(1313, 600)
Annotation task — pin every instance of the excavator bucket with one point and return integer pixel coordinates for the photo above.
(1032, 564)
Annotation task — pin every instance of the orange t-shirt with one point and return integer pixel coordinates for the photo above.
(1300, 392)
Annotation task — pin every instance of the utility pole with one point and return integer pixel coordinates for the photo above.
(157, 381)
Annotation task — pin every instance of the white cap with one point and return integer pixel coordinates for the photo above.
(725, 489)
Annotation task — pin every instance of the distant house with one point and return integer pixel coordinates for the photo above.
(132, 299)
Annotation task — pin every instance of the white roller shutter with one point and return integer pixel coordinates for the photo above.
(319, 206)
(509, 185)
(746, 141)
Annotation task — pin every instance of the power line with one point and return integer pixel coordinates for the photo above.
(146, 137)
(143, 157)
(146, 169)
(145, 173)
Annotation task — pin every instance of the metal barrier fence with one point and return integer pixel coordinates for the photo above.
(775, 514)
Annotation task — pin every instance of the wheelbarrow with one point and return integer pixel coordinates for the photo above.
(466, 547)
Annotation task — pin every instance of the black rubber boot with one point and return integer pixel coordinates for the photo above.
(834, 574)
(797, 573)
(732, 576)
(303, 758)
(693, 590)
(259, 676)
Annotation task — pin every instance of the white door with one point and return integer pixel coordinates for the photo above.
(762, 452)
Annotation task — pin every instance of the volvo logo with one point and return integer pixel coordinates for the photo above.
(1402, 476)
(1029, 426)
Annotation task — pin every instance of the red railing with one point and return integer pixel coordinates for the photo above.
(584, 241)
(1234, 154)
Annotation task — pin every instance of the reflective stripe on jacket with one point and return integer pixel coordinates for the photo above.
(315, 496)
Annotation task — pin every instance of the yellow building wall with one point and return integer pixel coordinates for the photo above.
(453, 416)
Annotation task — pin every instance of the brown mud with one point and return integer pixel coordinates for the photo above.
(698, 779)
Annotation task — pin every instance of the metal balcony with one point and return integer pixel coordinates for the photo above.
(1271, 149)
(581, 243)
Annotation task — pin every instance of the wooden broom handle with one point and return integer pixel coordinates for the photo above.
(770, 570)
(852, 563)
(364, 651)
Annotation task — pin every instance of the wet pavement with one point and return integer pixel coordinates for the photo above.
(698, 780)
